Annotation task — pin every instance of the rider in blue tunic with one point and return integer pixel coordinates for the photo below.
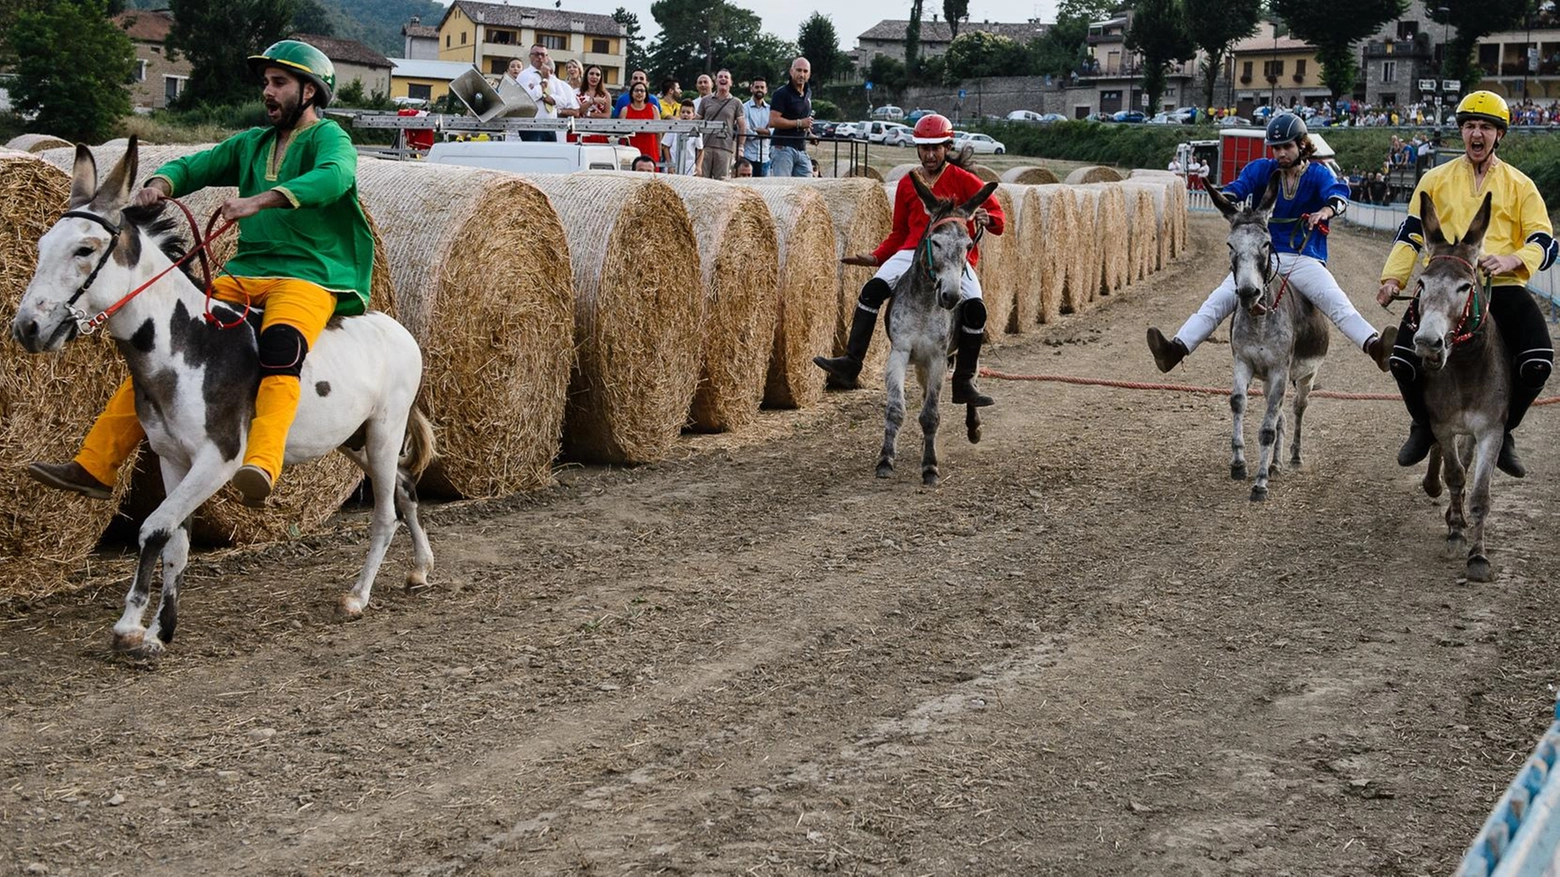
(1309, 195)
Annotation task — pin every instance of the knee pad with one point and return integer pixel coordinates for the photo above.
(282, 349)
(874, 294)
(1533, 368)
(973, 315)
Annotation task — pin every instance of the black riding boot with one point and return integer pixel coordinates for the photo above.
(965, 365)
(1526, 335)
(1405, 368)
(1522, 397)
(844, 370)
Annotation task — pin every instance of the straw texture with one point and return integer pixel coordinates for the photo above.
(1056, 227)
(1030, 175)
(1143, 233)
(986, 174)
(899, 170)
(481, 279)
(809, 300)
(1026, 263)
(638, 306)
(1083, 269)
(864, 170)
(37, 143)
(999, 271)
(1111, 244)
(1163, 226)
(1093, 174)
(46, 403)
(862, 212)
(739, 259)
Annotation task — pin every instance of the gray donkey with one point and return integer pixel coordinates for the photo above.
(920, 324)
(1276, 336)
(1467, 378)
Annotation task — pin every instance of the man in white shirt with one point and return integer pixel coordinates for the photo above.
(554, 97)
(756, 147)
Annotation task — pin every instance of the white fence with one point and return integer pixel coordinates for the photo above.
(1521, 836)
(1387, 219)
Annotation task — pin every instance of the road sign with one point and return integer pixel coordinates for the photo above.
(1427, 85)
(962, 93)
(869, 85)
(1451, 86)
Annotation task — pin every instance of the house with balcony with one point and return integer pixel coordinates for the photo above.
(1524, 64)
(1272, 70)
(1111, 79)
(488, 35)
(354, 62)
(156, 80)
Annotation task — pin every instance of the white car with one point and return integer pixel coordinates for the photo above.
(848, 131)
(981, 143)
(899, 135)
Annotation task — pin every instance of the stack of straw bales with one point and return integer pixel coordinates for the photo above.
(1160, 237)
(1027, 257)
(307, 494)
(1143, 232)
(862, 212)
(1174, 205)
(1112, 245)
(862, 170)
(738, 263)
(47, 402)
(809, 296)
(1096, 173)
(986, 174)
(1030, 175)
(1083, 269)
(638, 308)
(482, 280)
(37, 143)
(1004, 273)
(1051, 212)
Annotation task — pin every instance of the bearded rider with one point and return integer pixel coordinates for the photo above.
(1309, 196)
(947, 178)
(1518, 243)
(304, 252)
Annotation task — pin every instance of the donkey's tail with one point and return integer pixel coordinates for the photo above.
(420, 448)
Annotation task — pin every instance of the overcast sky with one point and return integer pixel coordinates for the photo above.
(784, 18)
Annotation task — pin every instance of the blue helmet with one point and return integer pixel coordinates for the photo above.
(1285, 128)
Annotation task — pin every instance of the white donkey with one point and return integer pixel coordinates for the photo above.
(195, 385)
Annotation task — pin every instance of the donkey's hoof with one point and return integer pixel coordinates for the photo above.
(1456, 547)
(974, 434)
(1259, 494)
(129, 642)
(1237, 471)
(928, 479)
(885, 470)
(416, 580)
(1479, 569)
(1432, 486)
(349, 608)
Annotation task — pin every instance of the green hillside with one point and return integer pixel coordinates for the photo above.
(376, 23)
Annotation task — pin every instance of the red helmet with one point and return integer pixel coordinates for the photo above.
(932, 128)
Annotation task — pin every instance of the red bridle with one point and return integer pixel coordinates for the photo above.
(1473, 308)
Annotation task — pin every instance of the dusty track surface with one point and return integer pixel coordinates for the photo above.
(1086, 653)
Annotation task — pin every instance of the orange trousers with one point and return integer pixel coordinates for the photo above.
(305, 306)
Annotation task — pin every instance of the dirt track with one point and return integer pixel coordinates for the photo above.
(1086, 653)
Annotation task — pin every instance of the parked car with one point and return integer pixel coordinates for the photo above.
(981, 143)
(915, 115)
(877, 132)
(899, 135)
(888, 113)
(848, 131)
(1129, 116)
(1023, 116)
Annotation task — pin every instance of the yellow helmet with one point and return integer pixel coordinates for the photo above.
(1486, 105)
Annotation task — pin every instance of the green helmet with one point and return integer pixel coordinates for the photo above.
(304, 60)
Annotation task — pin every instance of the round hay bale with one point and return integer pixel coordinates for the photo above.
(1112, 246)
(739, 261)
(1002, 271)
(986, 174)
(47, 402)
(1030, 175)
(864, 170)
(1050, 212)
(637, 310)
(37, 143)
(898, 171)
(307, 494)
(807, 307)
(1027, 260)
(1097, 173)
(1143, 233)
(1177, 209)
(1159, 200)
(1084, 266)
(1148, 173)
(863, 214)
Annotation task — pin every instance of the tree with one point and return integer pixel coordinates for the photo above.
(1473, 22)
(913, 36)
(955, 11)
(72, 67)
(312, 17)
(979, 53)
(1215, 25)
(887, 73)
(1158, 33)
(820, 44)
(702, 36)
(218, 39)
(633, 38)
(1334, 27)
(1061, 49)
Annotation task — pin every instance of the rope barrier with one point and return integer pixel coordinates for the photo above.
(1206, 391)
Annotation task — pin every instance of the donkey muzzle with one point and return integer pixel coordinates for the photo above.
(1431, 350)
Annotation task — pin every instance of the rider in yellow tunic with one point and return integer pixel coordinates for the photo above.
(1518, 244)
(305, 253)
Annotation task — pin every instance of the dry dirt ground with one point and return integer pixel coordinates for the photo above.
(1087, 653)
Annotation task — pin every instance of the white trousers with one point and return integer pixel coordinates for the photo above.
(1310, 278)
(896, 266)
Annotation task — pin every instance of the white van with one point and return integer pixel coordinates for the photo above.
(523, 157)
(889, 114)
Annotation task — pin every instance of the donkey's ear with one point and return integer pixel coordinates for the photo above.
(1270, 195)
(114, 194)
(925, 191)
(1430, 222)
(979, 199)
(1221, 201)
(1481, 223)
(83, 177)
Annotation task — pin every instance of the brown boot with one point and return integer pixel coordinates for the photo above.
(70, 476)
(1168, 352)
(1379, 347)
